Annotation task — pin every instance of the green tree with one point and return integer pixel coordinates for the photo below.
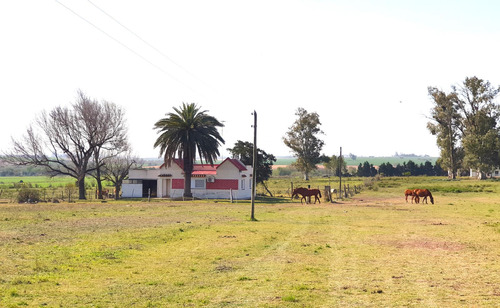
(428, 169)
(302, 139)
(185, 132)
(479, 127)
(411, 167)
(366, 169)
(264, 169)
(387, 169)
(359, 171)
(336, 165)
(445, 125)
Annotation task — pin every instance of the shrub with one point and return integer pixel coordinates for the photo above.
(28, 195)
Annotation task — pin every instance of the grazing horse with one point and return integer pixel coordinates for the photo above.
(409, 192)
(304, 192)
(424, 193)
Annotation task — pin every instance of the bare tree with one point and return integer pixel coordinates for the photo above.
(110, 137)
(64, 140)
(116, 169)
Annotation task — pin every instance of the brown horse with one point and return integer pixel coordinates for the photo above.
(424, 193)
(411, 192)
(304, 192)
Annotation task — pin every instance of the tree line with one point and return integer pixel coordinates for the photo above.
(406, 169)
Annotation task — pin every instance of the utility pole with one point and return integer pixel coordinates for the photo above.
(254, 165)
(340, 173)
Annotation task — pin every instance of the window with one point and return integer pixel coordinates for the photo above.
(132, 181)
(198, 184)
(243, 184)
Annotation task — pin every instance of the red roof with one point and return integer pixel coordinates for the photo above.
(207, 169)
(235, 162)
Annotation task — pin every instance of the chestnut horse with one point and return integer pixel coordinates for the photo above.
(423, 193)
(304, 192)
(409, 192)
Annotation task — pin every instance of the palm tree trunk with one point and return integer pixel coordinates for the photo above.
(187, 185)
(188, 170)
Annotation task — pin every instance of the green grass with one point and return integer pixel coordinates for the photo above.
(371, 250)
(35, 181)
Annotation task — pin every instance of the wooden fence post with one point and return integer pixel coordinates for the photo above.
(328, 195)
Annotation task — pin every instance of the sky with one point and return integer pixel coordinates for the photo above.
(363, 66)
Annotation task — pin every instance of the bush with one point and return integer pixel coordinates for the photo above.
(28, 195)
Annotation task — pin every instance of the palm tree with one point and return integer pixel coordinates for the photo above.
(183, 132)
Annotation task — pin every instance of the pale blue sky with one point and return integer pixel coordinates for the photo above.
(364, 66)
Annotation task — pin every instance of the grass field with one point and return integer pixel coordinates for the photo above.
(371, 250)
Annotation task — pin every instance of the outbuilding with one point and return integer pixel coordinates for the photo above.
(229, 179)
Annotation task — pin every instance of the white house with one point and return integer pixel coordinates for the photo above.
(475, 174)
(229, 178)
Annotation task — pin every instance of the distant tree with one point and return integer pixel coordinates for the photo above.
(336, 165)
(445, 125)
(264, 169)
(386, 169)
(399, 170)
(366, 170)
(302, 139)
(69, 137)
(428, 168)
(116, 169)
(479, 125)
(438, 170)
(412, 168)
(359, 171)
(183, 133)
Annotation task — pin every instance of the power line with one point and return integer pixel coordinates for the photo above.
(125, 46)
(146, 42)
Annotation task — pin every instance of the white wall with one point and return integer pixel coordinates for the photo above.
(132, 191)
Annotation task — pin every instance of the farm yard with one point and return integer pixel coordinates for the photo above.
(372, 249)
